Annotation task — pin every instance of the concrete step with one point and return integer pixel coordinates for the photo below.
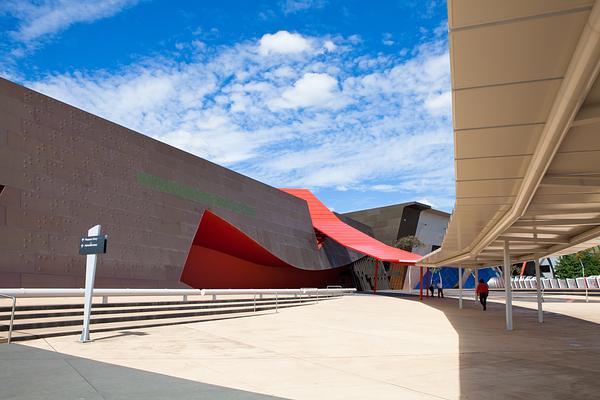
(47, 320)
(22, 335)
(124, 308)
(134, 315)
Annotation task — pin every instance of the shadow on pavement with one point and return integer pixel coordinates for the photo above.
(559, 359)
(121, 334)
(28, 373)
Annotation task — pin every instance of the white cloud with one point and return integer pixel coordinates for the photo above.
(387, 39)
(46, 17)
(294, 6)
(311, 90)
(283, 42)
(440, 104)
(384, 188)
(329, 45)
(341, 120)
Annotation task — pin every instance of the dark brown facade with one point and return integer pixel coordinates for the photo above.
(63, 170)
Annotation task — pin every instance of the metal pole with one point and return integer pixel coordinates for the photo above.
(538, 284)
(254, 303)
(421, 283)
(12, 319)
(90, 275)
(584, 280)
(508, 288)
(460, 288)
(476, 276)
(276, 302)
(410, 288)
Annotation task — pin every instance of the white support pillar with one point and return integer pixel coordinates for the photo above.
(460, 288)
(508, 287)
(90, 276)
(408, 271)
(538, 285)
(476, 277)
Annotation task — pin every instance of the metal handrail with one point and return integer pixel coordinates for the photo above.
(52, 292)
(12, 314)
(105, 293)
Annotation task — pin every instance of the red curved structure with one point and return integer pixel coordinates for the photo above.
(223, 257)
(329, 225)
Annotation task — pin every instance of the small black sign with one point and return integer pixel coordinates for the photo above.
(93, 244)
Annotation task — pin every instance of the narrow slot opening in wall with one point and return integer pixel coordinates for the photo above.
(1, 189)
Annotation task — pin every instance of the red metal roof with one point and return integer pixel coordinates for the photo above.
(326, 222)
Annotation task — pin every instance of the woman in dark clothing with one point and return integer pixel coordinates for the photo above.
(483, 290)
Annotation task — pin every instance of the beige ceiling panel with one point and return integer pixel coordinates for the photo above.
(489, 209)
(496, 187)
(570, 185)
(556, 230)
(564, 201)
(471, 201)
(491, 168)
(505, 105)
(494, 142)
(581, 138)
(521, 51)
(472, 12)
(582, 162)
(579, 247)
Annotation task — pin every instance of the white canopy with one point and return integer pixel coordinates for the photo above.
(526, 111)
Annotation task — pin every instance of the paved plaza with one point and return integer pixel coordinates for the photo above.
(355, 347)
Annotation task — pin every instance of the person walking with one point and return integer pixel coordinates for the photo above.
(440, 288)
(431, 289)
(483, 291)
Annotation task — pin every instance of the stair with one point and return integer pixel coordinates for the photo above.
(50, 320)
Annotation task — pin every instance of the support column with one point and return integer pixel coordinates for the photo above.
(476, 277)
(408, 271)
(538, 285)
(420, 283)
(508, 287)
(460, 288)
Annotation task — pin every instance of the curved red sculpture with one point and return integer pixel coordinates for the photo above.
(223, 257)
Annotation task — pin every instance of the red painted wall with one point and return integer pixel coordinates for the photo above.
(210, 269)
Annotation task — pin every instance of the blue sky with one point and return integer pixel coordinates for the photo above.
(348, 98)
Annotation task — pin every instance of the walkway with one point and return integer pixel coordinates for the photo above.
(356, 347)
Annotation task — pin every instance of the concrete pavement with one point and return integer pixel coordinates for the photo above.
(359, 346)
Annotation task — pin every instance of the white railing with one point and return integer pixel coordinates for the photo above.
(42, 292)
(106, 293)
(12, 314)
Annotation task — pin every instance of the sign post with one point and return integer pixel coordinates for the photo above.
(90, 246)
